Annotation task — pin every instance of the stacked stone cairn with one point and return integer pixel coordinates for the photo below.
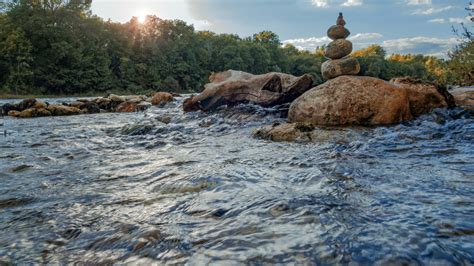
(338, 52)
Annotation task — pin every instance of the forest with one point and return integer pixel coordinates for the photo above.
(58, 47)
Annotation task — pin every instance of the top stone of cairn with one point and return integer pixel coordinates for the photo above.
(338, 31)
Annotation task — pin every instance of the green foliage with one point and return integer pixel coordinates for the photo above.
(59, 47)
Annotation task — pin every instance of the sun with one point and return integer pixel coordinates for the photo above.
(141, 16)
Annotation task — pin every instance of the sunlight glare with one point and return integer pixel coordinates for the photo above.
(141, 16)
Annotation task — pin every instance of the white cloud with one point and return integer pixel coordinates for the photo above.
(417, 45)
(437, 20)
(450, 20)
(352, 3)
(320, 3)
(365, 36)
(419, 2)
(458, 20)
(432, 10)
(328, 3)
(426, 45)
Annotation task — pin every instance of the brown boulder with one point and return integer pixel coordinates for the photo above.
(39, 105)
(162, 98)
(423, 97)
(352, 100)
(464, 97)
(339, 67)
(26, 104)
(338, 49)
(233, 87)
(338, 32)
(129, 107)
(30, 113)
(63, 110)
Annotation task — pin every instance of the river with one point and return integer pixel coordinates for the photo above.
(167, 187)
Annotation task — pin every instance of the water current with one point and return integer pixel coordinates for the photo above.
(170, 188)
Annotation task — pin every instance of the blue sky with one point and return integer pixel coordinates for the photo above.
(400, 26)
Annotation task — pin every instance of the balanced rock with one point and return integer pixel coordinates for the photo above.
(234, 87)
(339, 67)
(338, 49)
(338, 32)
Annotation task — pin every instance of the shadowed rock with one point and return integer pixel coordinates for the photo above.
(234, 87)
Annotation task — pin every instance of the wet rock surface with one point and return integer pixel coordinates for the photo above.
(352, 100)
(234, 87)
(32, 108)
(140, 188)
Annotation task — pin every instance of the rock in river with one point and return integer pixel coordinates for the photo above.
(233, 87)
(162, 98)
(354, 100)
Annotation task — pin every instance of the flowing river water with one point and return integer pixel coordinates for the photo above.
(167, 187)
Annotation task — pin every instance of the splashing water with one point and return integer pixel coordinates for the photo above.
(168, 187)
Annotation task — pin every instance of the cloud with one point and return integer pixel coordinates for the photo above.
(365, 36)
(360, 40)
(418, 2)
(432, 10)
(450, 20)
(421, 44)
(352, 3)
(415, 45)
(320, 3)
(327, 3)
(437, 20)
(309, 44)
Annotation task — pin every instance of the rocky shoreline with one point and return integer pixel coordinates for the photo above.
(31, 108)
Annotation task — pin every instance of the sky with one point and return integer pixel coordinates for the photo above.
(400, 26)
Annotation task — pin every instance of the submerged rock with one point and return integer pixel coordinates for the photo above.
(233, 87)
(161, 98)
(300, 132)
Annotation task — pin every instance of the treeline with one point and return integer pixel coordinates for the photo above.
(59, 47)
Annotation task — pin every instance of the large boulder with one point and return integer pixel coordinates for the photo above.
(354, 100)
(162, 98)
(233, 87)
(340, 67)
(423, 97)
(338, 49)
